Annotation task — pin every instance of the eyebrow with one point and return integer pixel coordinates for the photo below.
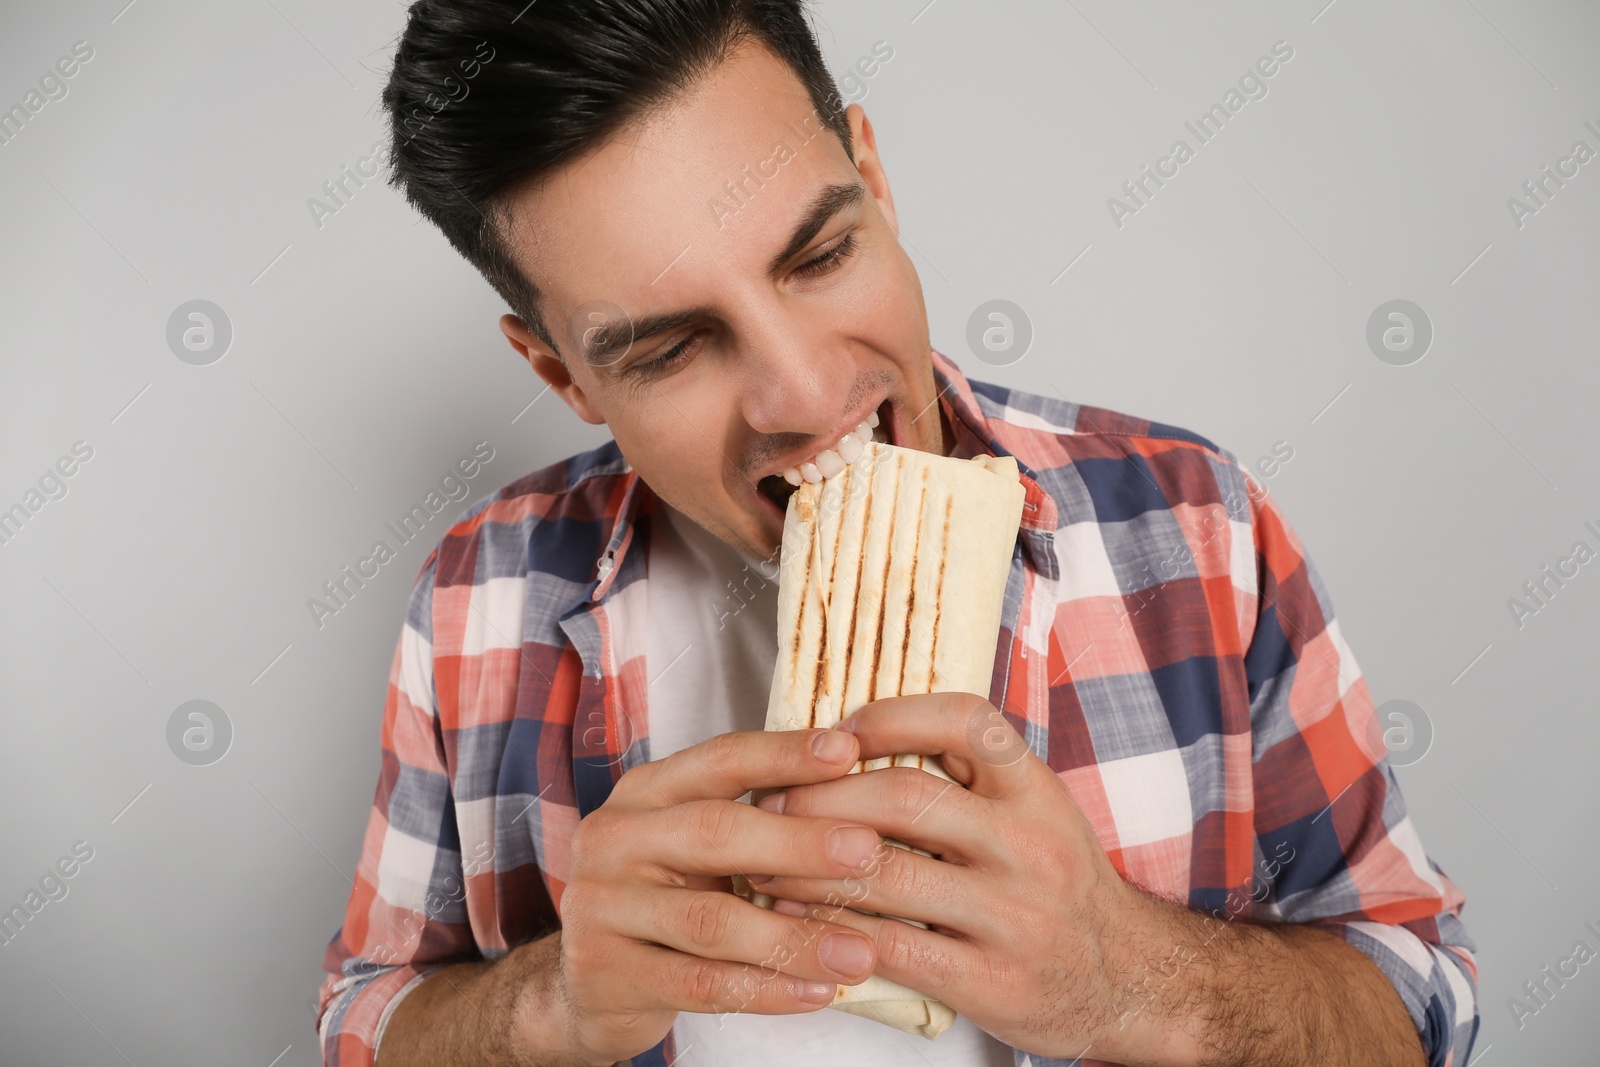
(831, 200)
(613, 341)
(828, 202)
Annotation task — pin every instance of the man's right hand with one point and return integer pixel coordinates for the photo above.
(649, 926)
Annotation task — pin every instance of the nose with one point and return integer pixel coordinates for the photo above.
(796, 386)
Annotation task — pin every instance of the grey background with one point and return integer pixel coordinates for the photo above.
(365, 361)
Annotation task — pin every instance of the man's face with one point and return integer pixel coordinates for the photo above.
(794, 312)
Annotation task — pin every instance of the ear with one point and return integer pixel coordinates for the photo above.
(864, 147)
(547, 364)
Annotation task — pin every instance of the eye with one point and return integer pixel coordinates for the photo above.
(660, 364)
(830, 259)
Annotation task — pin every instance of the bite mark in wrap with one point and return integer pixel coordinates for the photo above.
(893, 574)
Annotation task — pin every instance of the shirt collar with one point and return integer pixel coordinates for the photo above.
(974, 435)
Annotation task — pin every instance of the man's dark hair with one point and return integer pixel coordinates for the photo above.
(486, 97)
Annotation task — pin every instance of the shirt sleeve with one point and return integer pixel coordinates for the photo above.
(406, 916)
(1336, 845)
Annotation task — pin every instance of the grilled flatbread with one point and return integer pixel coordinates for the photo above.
(893, 574)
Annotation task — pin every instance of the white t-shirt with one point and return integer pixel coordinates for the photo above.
(712, 645)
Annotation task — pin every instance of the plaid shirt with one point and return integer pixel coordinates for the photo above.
(1165, 645)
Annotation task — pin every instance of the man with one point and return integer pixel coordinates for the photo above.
(1198, 854)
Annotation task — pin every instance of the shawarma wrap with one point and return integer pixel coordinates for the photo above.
(893, 574)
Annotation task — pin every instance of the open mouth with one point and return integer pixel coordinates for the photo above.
(779, 487)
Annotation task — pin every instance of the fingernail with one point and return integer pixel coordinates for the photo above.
(847, 724)
(773, 803)
(759, 879)
(852, 846)
(815, 992)
(785, 906)
(845, 954)
(831, 746)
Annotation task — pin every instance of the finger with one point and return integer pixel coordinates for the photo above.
(724, 837)
(904, 803)
(951, 898)
(928, 961)
(671, 979)
(976, 743)
(729, 765)
(721, 926)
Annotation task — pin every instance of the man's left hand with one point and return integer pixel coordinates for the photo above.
(1031, 925)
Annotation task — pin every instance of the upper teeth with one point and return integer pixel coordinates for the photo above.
(831, 461)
